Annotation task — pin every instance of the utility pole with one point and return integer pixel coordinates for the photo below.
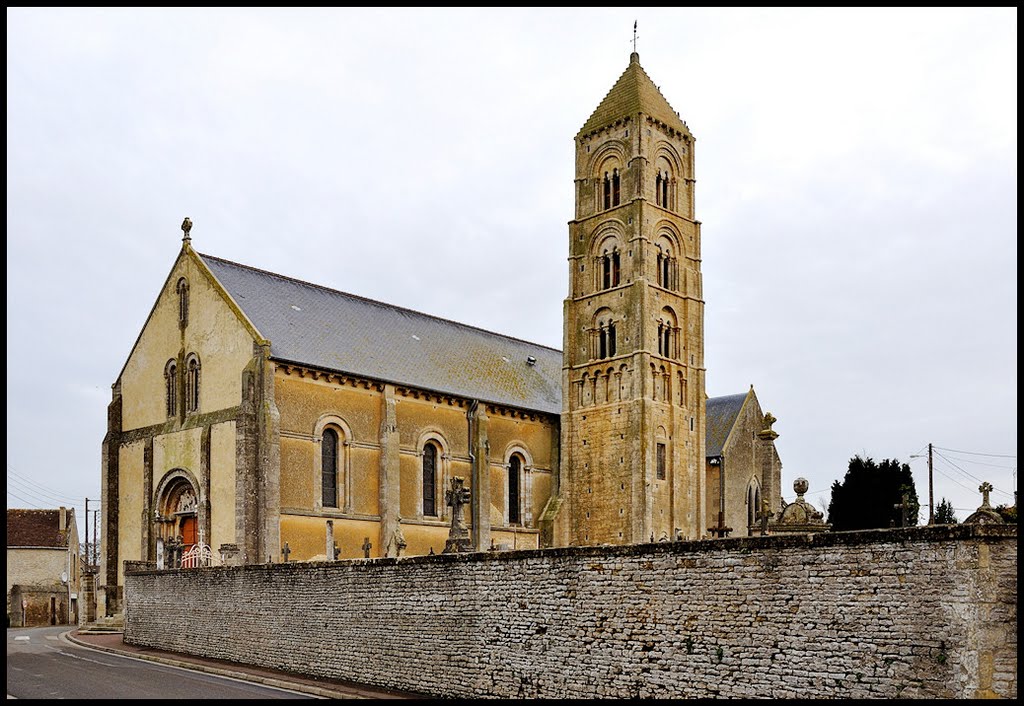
(931, 498)
(87, 552)
(95, 540)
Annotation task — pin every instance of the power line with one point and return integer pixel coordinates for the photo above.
(30, 482)
(30, 502)
(42, 495)
(982, 463)
(42, 498)
(974, 453)
(957, 482)
(970, 475)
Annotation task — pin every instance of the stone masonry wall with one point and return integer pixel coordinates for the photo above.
(925, 612)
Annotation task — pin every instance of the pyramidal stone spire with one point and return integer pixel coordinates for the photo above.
(633, 93)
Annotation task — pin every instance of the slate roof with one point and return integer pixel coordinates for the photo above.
(323, 328)
(633, 93)
(721, 417)
(37, 528)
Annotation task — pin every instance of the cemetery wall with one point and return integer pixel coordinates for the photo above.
(927, 612)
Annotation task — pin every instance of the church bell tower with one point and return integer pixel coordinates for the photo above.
(633, 399)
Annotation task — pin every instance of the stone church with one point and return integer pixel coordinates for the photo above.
(272, 419)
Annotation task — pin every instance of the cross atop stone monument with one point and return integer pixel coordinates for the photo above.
(456, 497)
(985, 488)
(367, 546)
(186, 228)
(285, 552)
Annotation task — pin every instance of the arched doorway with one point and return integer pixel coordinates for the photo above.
(176, 518)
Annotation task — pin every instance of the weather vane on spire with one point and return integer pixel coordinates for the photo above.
(634, 36)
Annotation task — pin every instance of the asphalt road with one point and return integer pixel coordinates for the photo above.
(42, 665)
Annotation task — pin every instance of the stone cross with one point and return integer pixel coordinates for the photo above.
(904, 508)
(286, 551)
(336, 551)
(458, 536)
(186, 228)
(367, 546)
(985, 488)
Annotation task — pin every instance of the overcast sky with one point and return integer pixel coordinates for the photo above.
(856, 180)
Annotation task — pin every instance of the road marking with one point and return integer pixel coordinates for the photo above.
(53, 637)
(23, 638)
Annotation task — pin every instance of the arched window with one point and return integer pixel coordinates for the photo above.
(515, 468)
(661, 189)
(668, 334)
(429, 480)
(753, 506)
(612, 189)
(182, 301)
(666, 268)
(329, 467)
(171, 384)
(192, 383)
(610, 269)
(604, 330)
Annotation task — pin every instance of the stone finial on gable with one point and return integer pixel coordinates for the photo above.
(186, 228)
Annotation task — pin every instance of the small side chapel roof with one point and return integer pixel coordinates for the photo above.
(633, 93)
(323, 328)
(722, 413)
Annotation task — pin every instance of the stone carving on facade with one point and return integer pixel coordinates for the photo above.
(397, 542)
(800, 515)
(186, 502)
(456, 498)
(985, 515)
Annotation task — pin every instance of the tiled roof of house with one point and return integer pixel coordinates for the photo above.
(323, 328)
(633, 93)
(37, 528)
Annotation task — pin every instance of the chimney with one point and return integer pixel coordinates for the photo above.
(63, 519)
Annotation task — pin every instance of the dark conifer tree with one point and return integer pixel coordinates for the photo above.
(871, 496)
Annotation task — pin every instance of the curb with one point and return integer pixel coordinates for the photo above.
(323, 692)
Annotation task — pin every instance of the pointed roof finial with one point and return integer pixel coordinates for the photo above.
(634, 58)
(186, 227)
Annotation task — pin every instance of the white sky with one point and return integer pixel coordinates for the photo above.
(856, 181)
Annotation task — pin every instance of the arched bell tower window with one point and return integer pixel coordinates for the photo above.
(612, 188)
(605, 335)
(668, 334)
(192, 368)
(329, 467)
(661, 189)
(666, 266)
(171, 386)
(429, 480)
(610, 269)
(182, 289)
